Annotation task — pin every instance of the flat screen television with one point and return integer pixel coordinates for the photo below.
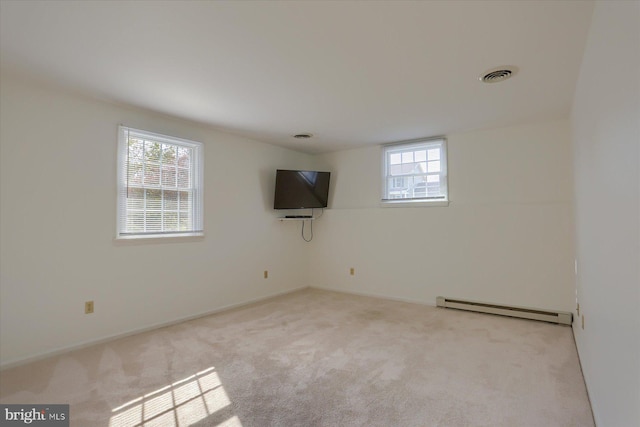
(296, 189)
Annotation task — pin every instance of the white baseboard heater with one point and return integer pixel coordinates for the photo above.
(561, 317)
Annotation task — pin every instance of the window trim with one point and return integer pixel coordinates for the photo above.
(416, 202)
(197, 179)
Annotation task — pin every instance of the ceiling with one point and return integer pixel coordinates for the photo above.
(350, 73)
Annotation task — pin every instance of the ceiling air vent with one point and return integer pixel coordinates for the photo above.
(498, 74)
(302, 135)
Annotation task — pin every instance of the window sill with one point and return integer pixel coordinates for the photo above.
(177, 236)
(414, 203)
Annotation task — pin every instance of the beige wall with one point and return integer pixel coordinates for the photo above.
(57, 224)
(506, 236)
(606, 139)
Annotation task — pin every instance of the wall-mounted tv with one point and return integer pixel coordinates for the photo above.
(296, 189)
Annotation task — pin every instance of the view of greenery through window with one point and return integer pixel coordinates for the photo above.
(159, 185)
(159, 193)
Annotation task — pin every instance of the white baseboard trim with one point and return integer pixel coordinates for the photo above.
(373, 295)
(61, 350)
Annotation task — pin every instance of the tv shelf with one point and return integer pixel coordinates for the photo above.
(299, 218)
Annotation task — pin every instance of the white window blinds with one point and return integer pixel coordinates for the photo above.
(160, 185)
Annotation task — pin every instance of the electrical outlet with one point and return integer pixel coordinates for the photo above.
(88, 307)
(266, 274)
(352, 271)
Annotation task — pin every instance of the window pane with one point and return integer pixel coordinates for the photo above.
(135, 198)
(168, 154)
(183, 178)
(184, 157)
(433, 166)
(154, 199)
(136, 149)
(433, 185)
(185, 221)
(151, 174)
(152, 151)
(135, 221)
(168, 176)
(170, 221)
(407, 157)
(395, 170)
(397, 187)
(421, 155)
(394, 159)
(154, 221)
(134, 173)
(434, 154)
(184, 200)
(170, 200)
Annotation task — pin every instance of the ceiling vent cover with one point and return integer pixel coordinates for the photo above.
(302, 135)
(498, 74)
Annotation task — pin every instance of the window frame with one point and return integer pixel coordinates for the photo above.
(387, 201)
(196, 187)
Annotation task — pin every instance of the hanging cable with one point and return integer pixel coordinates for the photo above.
(310, 226)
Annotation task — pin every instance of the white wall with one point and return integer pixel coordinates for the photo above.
(506, 236)
(606, 139)
(57, 225)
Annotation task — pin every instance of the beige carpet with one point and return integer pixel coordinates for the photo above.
(317, 358)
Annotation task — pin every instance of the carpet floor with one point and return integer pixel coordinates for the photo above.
(319, 358)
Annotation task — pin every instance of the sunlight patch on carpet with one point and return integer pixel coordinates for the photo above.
(181, 403)
(231, 422)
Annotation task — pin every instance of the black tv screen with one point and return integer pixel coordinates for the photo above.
(301, 189)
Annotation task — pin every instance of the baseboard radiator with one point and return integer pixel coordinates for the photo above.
(561, 317)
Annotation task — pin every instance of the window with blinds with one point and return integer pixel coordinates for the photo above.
(415, 171)
(160, 185)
